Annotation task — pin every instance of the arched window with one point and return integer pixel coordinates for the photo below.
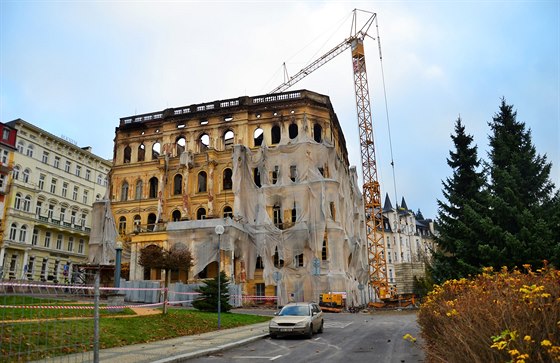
(156, 149)
(203, 142)
(124, 191)
(27, 203)
(275, 134)
(26, 174)
(137, 222)
(228, 139)
(176, 216)
(17, 201)
(13, 232)
(153, 187)
(202, 179)
(141, 152)
(22, 233)
(226, 181)
(177, 184)
(317, 133)
(126, 155)
(258, 137)
(293, 131)
(139, 187)
(15, 172)
(201, 214)
(228, 212)
(151, 221)
(20, 146)
(122, 225)
(180, 144)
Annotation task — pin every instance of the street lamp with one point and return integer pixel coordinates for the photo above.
(118, 250)
(219, 229)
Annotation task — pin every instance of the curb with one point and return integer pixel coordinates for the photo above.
(186, 356)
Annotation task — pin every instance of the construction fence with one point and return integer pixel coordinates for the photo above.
(45, 322)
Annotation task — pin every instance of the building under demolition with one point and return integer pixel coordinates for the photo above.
(273, 170)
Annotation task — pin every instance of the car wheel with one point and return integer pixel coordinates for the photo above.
(320, 327)
(309, 334)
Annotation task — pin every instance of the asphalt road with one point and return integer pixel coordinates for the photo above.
(376, 337)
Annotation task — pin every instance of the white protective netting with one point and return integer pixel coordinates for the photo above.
(252, 232)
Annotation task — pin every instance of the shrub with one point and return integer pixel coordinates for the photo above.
(507, 316)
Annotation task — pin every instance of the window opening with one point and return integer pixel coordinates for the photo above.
(228, 212)
(180, 144)
(257, 177)
(178, 184)
(293, 131)
(227, 181)
(153, 187)
(202, 180)
(201, 214)
(139, 186)
(324, 251)
(258, 137)
(275, 134)
(122, 225)
(126, 156)
(203, 142)
(176, 216)
(228, 139)
(141, 152)
(151, 221)
(278, 262)
(156, 149)
(124, 192)
(317, 131)
(293, 172)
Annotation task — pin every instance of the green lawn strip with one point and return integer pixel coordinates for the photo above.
(76, 336)
(23, 313)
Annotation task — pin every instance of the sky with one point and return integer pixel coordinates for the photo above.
(74, 68)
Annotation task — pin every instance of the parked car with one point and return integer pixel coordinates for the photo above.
(297, 319)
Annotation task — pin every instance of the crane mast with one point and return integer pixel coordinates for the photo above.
(371, 189)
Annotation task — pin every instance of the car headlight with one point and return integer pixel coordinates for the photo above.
(302, 324)
(273, 324)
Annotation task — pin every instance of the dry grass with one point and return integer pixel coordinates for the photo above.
(507, 316)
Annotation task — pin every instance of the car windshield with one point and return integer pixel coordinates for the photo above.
(294, 311)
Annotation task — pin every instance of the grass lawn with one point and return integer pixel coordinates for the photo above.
(74, 336)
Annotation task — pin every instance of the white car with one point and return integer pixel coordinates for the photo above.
(297, 319)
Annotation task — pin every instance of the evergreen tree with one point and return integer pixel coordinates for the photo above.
(460, 218)
(521, 200)
(208, 298)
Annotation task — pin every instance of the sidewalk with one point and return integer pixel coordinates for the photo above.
(178, 349)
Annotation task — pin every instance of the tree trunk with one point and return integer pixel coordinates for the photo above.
(165, 291)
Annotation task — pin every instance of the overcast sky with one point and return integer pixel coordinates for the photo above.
(75, 68)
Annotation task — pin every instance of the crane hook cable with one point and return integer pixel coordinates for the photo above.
(387, 113)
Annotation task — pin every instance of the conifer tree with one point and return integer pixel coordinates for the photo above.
(460, 216)
(521, 203)
(208, 298)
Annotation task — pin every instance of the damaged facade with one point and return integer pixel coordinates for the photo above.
(273, 170)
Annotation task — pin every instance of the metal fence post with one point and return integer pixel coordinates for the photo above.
(96, 319)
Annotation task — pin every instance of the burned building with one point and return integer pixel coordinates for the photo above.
(272, 170)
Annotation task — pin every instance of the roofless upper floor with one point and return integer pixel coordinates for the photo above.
(241, 116)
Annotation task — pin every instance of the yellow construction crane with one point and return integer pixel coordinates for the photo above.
(371, 190)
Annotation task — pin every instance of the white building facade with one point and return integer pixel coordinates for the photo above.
(47, 208)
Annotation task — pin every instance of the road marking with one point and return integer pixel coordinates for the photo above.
(256, 357)
(340, 325)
